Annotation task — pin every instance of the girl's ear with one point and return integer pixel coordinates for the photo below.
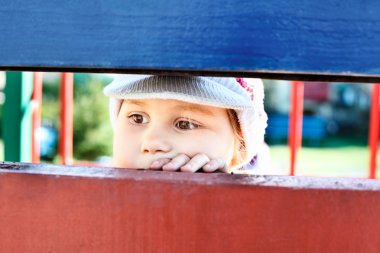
(240, 151)
(239, 145)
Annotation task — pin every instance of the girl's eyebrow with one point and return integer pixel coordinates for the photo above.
(135, 102)
(199, 109)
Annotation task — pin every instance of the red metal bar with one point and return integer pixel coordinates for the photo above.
(374, 129)
(295, 122)
(66, 133)
(36, 115)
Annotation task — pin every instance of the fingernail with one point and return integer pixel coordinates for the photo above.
(207, 166)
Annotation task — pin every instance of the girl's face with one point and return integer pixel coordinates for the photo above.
(149, 129)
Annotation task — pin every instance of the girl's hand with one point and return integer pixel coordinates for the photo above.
(184, 163)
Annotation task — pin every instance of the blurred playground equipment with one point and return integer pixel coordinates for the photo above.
(64, 208)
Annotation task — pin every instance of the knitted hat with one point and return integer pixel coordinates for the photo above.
(245, 96)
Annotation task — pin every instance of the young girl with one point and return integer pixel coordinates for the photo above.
(187, 123)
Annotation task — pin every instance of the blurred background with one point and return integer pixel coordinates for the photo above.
(334, 132)
(92, 131)
(335, 125)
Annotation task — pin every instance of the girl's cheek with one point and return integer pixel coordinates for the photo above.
(194, 144)
(124, 160)
(188, 144)
(121, 152)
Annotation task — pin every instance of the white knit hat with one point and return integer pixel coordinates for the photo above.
(245, 96)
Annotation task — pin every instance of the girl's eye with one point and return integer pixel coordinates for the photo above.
(138, 119)
(186, 125)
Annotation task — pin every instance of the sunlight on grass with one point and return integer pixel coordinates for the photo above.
(351, 161)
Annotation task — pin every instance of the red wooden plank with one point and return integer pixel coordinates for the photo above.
(46, 208)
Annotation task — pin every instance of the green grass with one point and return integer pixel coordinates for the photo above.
(343, 161)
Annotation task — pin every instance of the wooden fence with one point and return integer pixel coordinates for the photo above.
(48, 208)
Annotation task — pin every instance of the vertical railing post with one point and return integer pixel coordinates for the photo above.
(374, 129)
(66, 131)
(36, 115)
(295, 122)
(17, 118)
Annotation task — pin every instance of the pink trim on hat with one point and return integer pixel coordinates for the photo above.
(246, 86)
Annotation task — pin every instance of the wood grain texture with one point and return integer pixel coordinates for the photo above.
(326, 37)
(49, 208)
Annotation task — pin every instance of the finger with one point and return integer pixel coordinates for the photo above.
(176, 162)
(215, 165)
(157, 164)
(195, 163)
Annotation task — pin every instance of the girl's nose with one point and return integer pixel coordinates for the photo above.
(155, 141)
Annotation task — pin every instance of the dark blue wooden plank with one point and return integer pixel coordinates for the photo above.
(323, 37)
